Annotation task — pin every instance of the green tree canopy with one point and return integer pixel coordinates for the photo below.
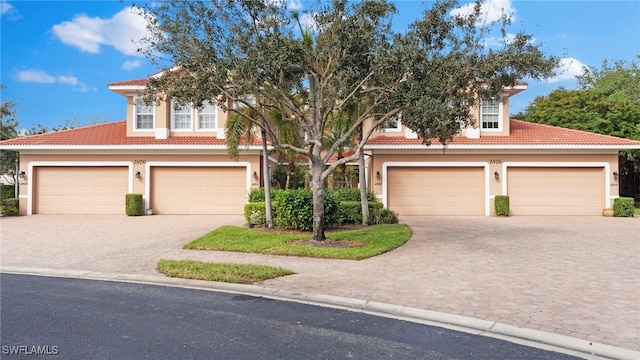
(431, 74)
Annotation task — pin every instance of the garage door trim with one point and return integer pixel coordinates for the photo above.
(33, 164)
(485, 165)
(149, 165)
(605, 165)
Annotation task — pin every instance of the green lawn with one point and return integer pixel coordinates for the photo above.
(225, 272)
(636, 211)
(361, 243)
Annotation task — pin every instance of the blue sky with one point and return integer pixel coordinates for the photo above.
(56, 57)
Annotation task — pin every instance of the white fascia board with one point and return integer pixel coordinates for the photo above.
(501, 147)
(135, 88)
(124, 147)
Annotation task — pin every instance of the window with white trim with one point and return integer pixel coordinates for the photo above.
(394, 124)
(207, 115)
(491, 115)
(181, 117)
(144, 115)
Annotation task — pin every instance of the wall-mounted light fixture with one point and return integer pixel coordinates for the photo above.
(378, 176)
(616, 175)
(137, 174)
(255, 175)
(497, 176)
(22, 174)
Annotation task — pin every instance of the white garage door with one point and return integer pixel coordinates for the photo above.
(436, 190)
(198, 190)
(556, 191)
(80, 190)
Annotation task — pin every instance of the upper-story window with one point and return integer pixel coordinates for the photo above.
(181, 117)
(144, 115)
(394, 124)
(491, 115)
(207, 115)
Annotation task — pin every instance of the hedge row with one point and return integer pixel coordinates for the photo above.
(293, 209)
(257, 194)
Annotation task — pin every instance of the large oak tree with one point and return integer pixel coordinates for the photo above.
(262, 55)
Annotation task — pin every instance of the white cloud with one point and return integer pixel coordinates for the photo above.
(42, 77)
(568, 69)
(123, 31)
(68, 80)
(5, 7)
(131, 64)
(490, 11)
(35, 76)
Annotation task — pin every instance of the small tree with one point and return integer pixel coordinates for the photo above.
(432, 74)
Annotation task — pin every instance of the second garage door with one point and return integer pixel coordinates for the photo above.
(436, 190)
(198, 190)
(556, 191)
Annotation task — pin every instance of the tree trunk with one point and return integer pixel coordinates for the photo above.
(267, 181)
(317, 188)
(363, 189)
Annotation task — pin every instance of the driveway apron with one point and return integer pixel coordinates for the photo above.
(573, 276)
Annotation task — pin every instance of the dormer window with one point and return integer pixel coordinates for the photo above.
(144, 115)
(181, 117)
(491, 115)
(394, 124)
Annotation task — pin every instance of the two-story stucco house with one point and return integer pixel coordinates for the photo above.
(178, 160)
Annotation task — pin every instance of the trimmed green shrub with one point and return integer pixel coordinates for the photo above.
(257, 194)
(382, 216)
(10, 206)
(295, 209)
(352, 195)
(7, 191)
(623, 207)
(134, 204)
(502, 205)
(255, 212)
(351, 211)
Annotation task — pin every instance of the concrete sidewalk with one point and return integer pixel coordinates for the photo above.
(571, 276)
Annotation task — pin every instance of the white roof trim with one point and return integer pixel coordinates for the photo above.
(126, 147)
(499, 147)
(127, 87)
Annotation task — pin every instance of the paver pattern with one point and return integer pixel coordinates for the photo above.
(574, 276)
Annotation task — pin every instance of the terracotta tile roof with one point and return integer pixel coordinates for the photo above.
(115, 134)
(107, 134)
(134, 82)
(521, 133)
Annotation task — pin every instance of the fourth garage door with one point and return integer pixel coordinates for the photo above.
(436, 190)
(198, 190)
(556, 191)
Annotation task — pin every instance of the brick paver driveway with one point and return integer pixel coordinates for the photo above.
(575, 276)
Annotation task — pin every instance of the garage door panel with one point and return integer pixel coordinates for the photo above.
(436, 190)
(556, 191)
(198, 190)
(80, 190)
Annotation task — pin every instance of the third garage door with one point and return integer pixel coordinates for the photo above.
(556, 191)
(436, 190)
(198, 190)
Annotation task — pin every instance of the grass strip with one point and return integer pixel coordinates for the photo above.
(375, 240)
(224, 272)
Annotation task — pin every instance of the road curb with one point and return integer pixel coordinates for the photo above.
(528, 337)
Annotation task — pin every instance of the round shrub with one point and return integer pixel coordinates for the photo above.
(502, 205)
(623, 207)
(295, 209)
(134, 205)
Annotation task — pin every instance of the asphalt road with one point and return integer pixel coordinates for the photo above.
(66, 318)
